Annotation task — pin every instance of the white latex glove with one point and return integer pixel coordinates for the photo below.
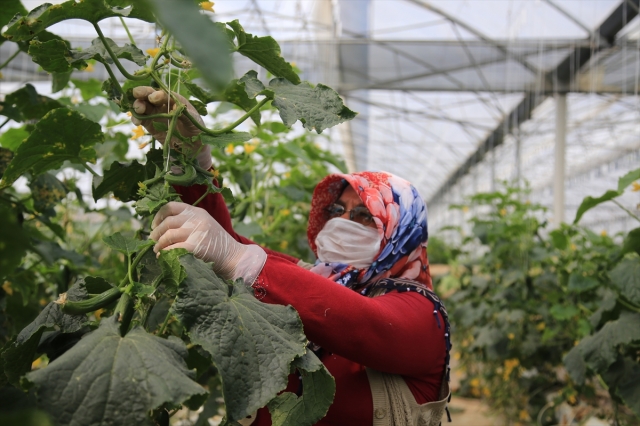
(150, 101)
(179, 225)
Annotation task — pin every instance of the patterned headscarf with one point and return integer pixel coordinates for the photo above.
(400, 215)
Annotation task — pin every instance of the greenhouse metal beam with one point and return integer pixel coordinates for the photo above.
(562, 75)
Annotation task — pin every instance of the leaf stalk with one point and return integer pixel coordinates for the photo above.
(115, 59)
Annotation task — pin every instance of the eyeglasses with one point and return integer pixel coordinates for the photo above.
(358, 214)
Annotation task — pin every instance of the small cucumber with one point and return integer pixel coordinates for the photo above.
(92, 304)
(185, 179)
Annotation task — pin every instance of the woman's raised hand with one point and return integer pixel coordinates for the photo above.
(150, 101)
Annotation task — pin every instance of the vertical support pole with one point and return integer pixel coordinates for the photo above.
(518, 152)
(559, 159)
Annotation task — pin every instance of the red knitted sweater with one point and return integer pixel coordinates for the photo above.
(394, 333)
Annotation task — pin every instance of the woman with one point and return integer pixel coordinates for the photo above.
(366, 305)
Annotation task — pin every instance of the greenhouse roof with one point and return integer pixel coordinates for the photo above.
(454, 95)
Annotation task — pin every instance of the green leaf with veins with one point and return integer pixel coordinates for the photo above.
(589, 202)
(16, 359)
(61, 135)
(172, 270)
(631, 241)
(9, 9)
(47, 191)
(252, 344)
(234, 93)
(628, 179)
(626, 279)
(98, 52)
(264, 51)
(212, 58)
(224, 139)
(125, 379)
(52, 315)
(93, 11)
(576, 367)
(60, 80)
(122, 180)
(601, 349)
(154, 198)
(623, 379)
(53, 55)
(317, 107)
(318, 390)
(26, 104)
(127, 246)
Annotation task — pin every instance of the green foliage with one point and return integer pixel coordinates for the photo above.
(525, 302)
(57, 303)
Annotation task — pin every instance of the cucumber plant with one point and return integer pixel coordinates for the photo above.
(164, 315)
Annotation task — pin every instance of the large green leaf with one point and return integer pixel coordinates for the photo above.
(574, 362)
(205, 43)
(225, 139)
(13, 240)
(9, 9)
(589, 202)
(12, 138)
(52, 56)
(623, 378)
(98, 52)
(16, 359)
(626, 278)
(61, 135)
(318, 389)
(127, 246)
(252, 344)
(317, 108)
(632, 241)
(46, 191)
(122, 180)
(601, 350)
(52, 315)
(580, 283)
(235, 93)
(45, 15)
(26, 104)
(628, 179)
(107, 379)
(264, 51)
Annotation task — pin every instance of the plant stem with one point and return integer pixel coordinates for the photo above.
(626, 210)
(164, 324)
(93, 172)
(113, 77)
(126, 28)
(232, 125)
(134, 264)
(161, 52)
(115, 59)
(628, 305)
(11, 58)
(4, 122)
(125, 309)
(151, 116)
(201, 198)
(167, 141)
(129, 268)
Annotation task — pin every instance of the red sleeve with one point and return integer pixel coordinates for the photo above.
(395, 333)
(214, 204)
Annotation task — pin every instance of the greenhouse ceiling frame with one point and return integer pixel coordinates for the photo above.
(561, 76)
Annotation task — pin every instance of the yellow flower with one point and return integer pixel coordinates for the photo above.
(503, 212)
(89, 68)
(465, 209)
(37, 363)
(486, 392)
(603, 233)
(98, 313)
(572, 399)
(43, 302)
(207, 5)
(524, 415)
(249, 148)
(153, 51)
(287, 175)
(216, 173)
(7, 288)
(229, 149)
(456, 355)
(138, 132)
(509, 365)
(573, 247)
(475, 383)
(635, 186)
(284, 245)
(143, 145)
(511, 336)
(541, 326)
(129, 113)
(286, 212)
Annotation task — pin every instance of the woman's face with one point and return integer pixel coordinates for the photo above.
(350, 200)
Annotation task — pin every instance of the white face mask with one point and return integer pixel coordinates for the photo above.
(345, 241)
